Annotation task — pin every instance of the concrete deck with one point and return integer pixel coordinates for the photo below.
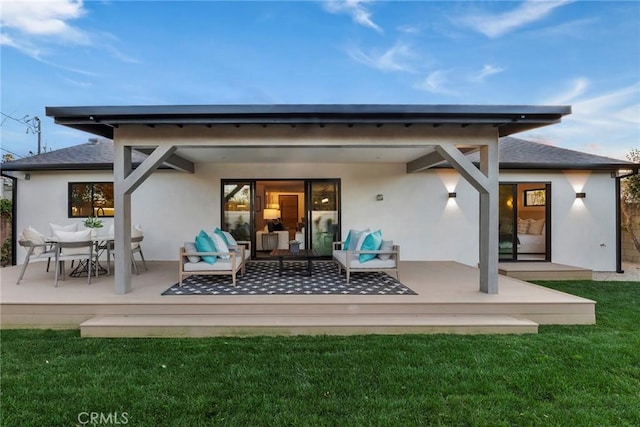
(446, 292)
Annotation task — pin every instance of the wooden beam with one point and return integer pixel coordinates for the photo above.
(122, 168)
(432, 159)
(175, 162)
(489, 206)
(148, 166)
(464, 166)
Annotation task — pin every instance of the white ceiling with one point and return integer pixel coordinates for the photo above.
(303, 154)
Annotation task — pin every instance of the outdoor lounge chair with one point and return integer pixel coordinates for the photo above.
(191, 262)
(385, 260)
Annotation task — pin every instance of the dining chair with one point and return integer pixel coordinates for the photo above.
(137, 235)
(73, 245)
(36, 251)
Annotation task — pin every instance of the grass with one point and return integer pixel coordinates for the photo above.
(565, 375)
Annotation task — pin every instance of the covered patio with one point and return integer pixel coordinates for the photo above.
(447, 301)
(418, 136)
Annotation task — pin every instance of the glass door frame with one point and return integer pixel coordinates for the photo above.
(308, 185)
(547, 215)
(335, 233)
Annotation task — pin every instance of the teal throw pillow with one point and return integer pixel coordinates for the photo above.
(204, 243)
(371, 242)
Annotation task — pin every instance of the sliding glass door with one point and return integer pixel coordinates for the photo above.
(304, 210)
(524, 221)
(323, 215)
(238, 208)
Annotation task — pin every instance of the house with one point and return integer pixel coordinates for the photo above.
(428, 176)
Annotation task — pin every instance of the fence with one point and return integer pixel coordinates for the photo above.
(629, 252)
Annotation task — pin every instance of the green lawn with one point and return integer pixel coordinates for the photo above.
(565, 375)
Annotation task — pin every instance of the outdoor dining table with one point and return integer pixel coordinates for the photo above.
(100, 244)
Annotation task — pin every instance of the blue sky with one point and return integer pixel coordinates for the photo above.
(581, 53)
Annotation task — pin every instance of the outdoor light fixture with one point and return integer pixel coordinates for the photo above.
(581, 195)
(452, 195)
(379, 197)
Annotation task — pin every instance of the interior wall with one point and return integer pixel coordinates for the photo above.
(533, 212)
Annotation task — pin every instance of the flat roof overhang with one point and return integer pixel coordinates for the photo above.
(508, 119)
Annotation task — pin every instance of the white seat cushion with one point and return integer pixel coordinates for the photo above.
(219, 265)
(375, 263)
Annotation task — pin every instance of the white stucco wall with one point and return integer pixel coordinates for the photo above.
(416, 212)
(583, 231)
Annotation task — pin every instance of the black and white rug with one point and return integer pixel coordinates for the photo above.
(262, 278)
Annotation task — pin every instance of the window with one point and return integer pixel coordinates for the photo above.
(90, 199)
(535, 197)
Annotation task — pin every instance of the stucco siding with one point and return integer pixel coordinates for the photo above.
(415, 212)
(582, 230)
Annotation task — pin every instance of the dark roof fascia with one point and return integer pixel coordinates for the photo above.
(101, 120)
(537, 166)
(67, 167)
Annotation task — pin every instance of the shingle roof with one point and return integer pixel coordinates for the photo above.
(514, 153)
(93, 155)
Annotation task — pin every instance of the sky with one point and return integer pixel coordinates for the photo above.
(73, 53)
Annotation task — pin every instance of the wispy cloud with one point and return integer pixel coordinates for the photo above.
(437, 82)
(356, 9)
(576, 88)
(499, 24)
(486, 71)
(39, 28)
(399, 57)
(597, 122)
(45, 18)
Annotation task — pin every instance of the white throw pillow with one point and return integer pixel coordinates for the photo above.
(387, 245)
(221, 245)
(191, 247)
(74, 236)
(56, 227)
(523, 225)
(36, 238)
(536, 226)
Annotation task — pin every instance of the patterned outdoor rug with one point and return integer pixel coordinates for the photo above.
(262, 278)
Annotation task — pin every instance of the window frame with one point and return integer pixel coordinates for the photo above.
(525, 196)
(70, 204)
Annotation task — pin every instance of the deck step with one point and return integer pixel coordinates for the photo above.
(543, 271)
(254, 325)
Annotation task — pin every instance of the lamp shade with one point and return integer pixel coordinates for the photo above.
(270, 213)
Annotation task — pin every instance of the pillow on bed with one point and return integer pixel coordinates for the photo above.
(523, 226)
(536, 226)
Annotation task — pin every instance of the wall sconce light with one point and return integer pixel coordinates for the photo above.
(581, 195)
(379, 197)
(27, 176)
(453, 195)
